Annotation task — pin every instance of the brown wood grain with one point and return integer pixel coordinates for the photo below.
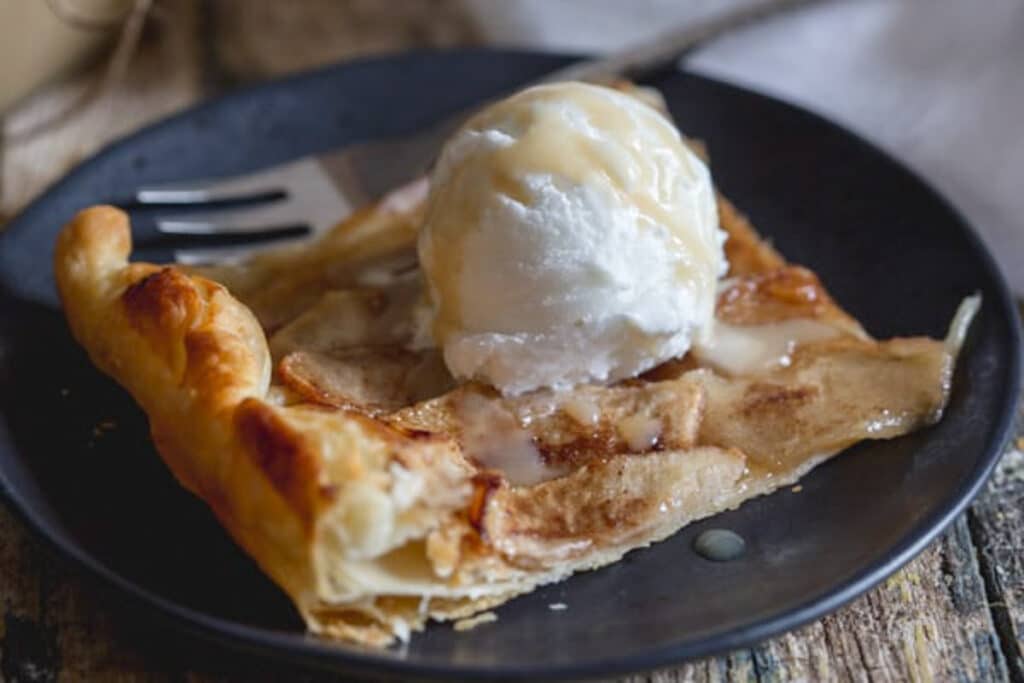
(954, 613)
(929, 622)
(997, 525)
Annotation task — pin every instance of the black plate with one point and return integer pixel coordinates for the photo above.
(892, 252)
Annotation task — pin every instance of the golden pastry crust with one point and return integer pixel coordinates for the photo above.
(197, 362)
(340, 459)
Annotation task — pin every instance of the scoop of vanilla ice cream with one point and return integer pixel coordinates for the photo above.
(570, 237)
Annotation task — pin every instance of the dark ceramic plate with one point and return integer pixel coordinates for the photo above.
(892, 252)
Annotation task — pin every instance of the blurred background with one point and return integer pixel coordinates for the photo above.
(938, 83)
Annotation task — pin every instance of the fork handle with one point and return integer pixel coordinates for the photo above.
(666, 49)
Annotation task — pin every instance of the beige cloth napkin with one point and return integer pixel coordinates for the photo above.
(937, 83)
(41, 40)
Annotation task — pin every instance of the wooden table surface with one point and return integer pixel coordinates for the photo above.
(954, 613)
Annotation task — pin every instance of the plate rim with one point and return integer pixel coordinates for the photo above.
(307, 650)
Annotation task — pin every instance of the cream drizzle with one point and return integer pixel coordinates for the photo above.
(491, 435)
(640, 432)
(749, 349)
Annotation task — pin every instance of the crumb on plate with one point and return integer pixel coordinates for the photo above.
(474, 621)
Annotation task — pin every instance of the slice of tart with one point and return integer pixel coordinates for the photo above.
(379, 493)
(454, 397)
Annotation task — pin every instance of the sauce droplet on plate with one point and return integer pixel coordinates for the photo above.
(719, 545)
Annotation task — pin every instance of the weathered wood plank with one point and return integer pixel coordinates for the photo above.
(929, 622)
(25, 648)
(997, 523)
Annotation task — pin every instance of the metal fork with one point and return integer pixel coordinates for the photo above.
(315, 193)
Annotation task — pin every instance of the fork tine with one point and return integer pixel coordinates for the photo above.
(227, 227)
(204, 256)
(230, 225)
(154, 196)
(254, 220)
(266, 184)
(313, 201)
